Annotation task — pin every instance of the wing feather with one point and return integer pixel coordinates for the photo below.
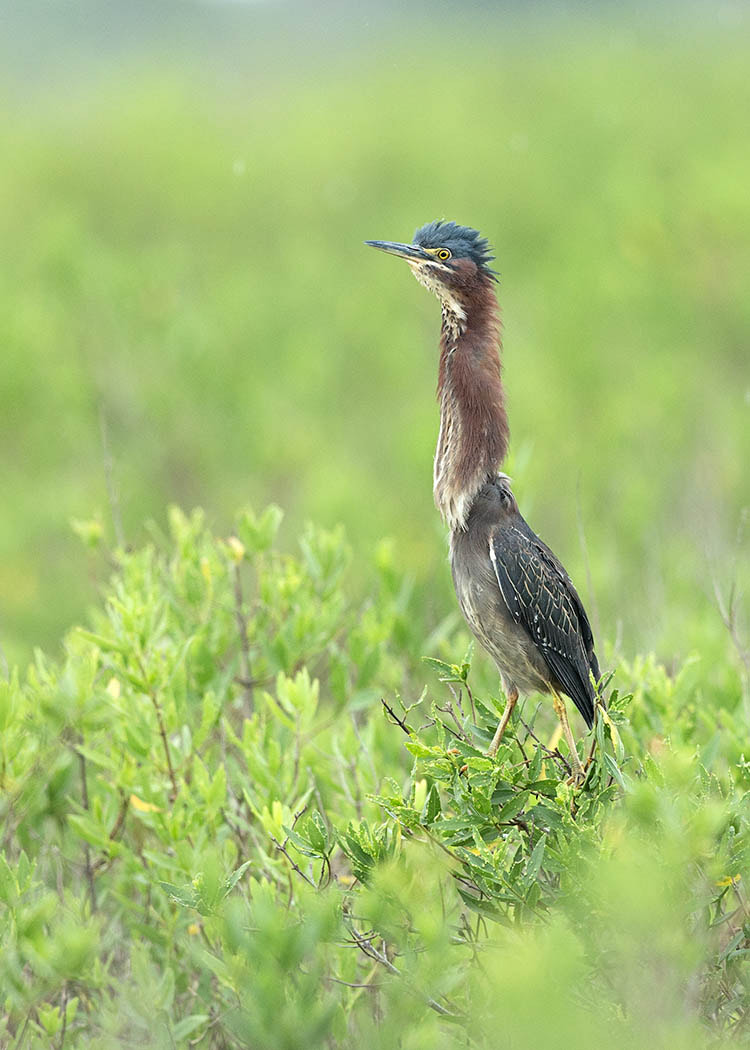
(540, 596)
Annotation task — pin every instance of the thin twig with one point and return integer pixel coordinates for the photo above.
(281, 847)
(120, 821)
(550, 754)
(86, 851)
(365, 945)
(451, 731)
(471, 701)
(456, 694)
(450, 710)
(165, 743)
(162, 731)
(398, 721)
(64, 1015)
(521, 748)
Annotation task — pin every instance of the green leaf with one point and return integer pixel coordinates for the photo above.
(482, 907)
(107, 645)
(98, 758)
(512, 808)
(89, 831)
(535, 860)
(738, 939)
(613, 769)
(431, 808)
(216, 794)
(258, 532)
(183, 895)
(235, 877)
(299, 842)
(188, 1025)
(317, 832)
(547, 788)
(8, 883)
(447, 672)
(50, 1019)
(536, 765)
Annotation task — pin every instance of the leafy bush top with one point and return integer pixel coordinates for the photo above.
(234, 816)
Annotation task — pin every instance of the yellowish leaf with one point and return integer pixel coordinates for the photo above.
(236, 549)
(143, 807)
(612, 728)
(554, 740)
(729, 880)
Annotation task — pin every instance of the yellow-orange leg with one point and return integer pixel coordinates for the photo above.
(578, 771)
(503, 723)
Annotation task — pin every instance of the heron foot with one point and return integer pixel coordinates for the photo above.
(503, 723)
(578, 774)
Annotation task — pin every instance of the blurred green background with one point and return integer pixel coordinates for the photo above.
(188, 314)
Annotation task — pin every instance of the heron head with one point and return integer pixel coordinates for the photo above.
(450, 260)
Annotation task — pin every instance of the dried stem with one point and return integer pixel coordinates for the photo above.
(450, 710)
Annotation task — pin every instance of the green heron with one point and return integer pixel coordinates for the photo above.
(517, 598)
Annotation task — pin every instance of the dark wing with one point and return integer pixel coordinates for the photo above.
(541, 597)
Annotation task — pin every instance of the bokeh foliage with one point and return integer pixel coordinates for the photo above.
(214, 835)
(185, 268)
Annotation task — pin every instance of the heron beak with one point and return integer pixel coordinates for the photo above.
(410, 252)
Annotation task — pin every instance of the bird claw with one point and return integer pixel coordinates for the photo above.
(578, 776)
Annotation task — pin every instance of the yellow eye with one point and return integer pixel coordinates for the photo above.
(443, 253)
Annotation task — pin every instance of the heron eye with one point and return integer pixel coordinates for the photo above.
(443, 253)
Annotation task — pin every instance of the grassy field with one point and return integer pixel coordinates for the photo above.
(211, 833)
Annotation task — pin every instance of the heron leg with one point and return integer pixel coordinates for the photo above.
(578, 771)
(503, 723)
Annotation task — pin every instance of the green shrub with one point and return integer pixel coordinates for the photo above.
(216, 835)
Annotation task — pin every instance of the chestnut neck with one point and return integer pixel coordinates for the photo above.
(473, 438)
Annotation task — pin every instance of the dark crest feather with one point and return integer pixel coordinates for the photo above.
(463, 242)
